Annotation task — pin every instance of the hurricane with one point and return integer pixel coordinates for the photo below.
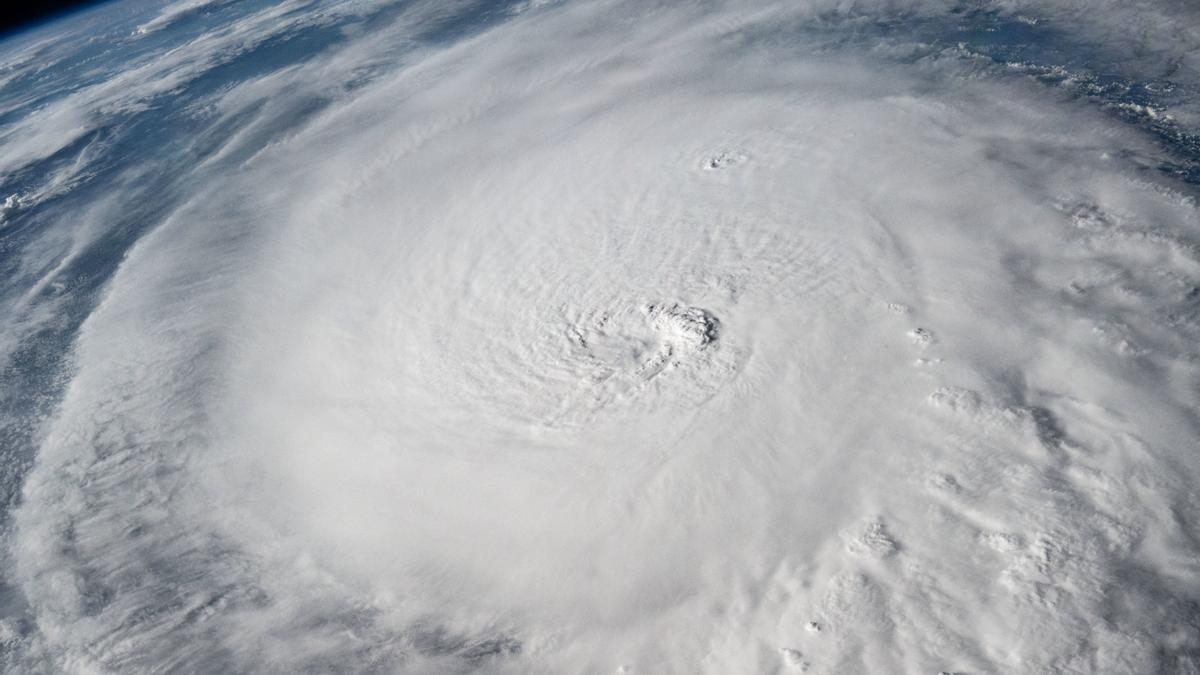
(601, 336)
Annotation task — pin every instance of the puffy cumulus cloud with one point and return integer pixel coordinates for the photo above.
(635, 337)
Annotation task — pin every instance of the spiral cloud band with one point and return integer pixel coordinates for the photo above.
(604, 336)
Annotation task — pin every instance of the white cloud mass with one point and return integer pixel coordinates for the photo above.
(607, 336)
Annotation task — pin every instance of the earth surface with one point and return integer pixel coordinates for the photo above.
(601, 336)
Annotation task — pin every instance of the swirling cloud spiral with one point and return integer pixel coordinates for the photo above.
(602, 336)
